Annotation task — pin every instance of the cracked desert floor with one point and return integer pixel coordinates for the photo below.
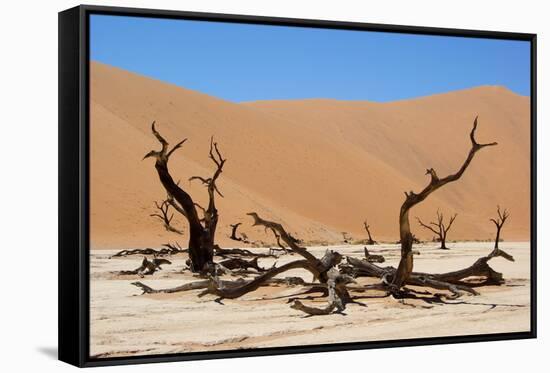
(125, 323)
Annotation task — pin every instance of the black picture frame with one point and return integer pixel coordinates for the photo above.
(74, 188)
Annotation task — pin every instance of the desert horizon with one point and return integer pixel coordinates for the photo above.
(320, 166)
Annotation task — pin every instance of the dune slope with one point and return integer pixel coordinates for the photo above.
(319, 166)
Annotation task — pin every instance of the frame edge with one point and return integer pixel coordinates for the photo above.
(69, 250)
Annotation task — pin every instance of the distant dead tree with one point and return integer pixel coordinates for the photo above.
(412, 199)
(202, 231)
(367, 228)
(499, 222)
(242, 237)
(347, 238)
(165, 216)
(234, 228)
(439, 228)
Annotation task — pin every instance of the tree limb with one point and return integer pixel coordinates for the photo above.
(406, 238)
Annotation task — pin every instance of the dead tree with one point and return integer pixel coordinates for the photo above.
(499, 222)
(323, 271)
(168, 249)
(373, 258)
(439, 228)
(238, 263)
(332, 277)
(367, 228)
(165, 216)
(281, 247)
(148, 267)
(201, 230)
(338, 296)
(234, 228)
(319, 267)
(347, 238)
(457, 282)
(405, 267)
(240, 252)
(242, 237)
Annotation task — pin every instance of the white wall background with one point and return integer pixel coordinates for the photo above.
(28, 183)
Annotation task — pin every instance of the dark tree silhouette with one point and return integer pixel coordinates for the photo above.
(439, 228)
(165, 216)
(148, 267)
(412, 199)
(367, 228)
(323, 270)
(499, 222)
(202, 231)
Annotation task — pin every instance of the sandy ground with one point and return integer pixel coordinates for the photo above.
(319, 166)
(123, 322)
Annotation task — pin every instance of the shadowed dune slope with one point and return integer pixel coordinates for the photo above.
(319, 166)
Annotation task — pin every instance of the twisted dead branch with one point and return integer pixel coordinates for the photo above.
(201, 230)
(412, 199)
(165, 216)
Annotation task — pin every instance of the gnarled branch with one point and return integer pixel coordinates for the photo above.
(200, 237)
(165, 216)
(406, 238)
(338, 296)
(148, 267)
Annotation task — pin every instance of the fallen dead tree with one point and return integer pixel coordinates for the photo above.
(457, 282)
(373, 258)
(168, 249)
(237, 263)
(148, 267)
(240, 252)
(323, 271)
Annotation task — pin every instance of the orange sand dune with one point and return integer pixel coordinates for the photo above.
(319, 166)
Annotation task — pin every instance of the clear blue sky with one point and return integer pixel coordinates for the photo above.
(241, 62)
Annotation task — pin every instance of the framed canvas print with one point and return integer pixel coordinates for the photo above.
(238, 185)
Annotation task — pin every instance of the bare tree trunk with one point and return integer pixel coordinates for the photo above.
(412, 199)
(499, 222)
(367, 228)
(201, 231)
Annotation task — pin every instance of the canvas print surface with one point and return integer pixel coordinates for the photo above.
(266, 186)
